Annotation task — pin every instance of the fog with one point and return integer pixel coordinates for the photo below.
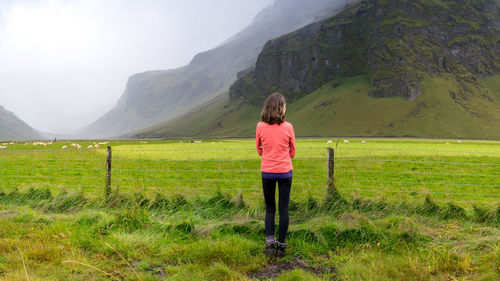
(63, 63)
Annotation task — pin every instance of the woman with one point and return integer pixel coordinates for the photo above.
(276, 144)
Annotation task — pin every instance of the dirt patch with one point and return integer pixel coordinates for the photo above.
(276, 267)
(157, 270)
(8, 213)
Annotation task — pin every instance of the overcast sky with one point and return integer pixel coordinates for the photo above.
(63, 63)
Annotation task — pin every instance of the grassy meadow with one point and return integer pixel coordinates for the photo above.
(392, 169)
(406, 209)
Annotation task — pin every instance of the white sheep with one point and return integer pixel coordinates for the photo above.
(73, 144)
(64, 147)
(96, 145)
(329, 142)
(90, 146)
(2, 147)
(363, 141)
(346, 141)
(459, 141)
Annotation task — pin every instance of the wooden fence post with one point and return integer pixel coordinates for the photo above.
(332, 197)
(107, 191)
(331, 172)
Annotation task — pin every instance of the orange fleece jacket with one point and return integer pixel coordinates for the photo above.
(276, 145)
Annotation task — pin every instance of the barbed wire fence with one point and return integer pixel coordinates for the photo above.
(466, 177)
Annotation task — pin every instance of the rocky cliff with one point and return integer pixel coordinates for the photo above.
(394, 42)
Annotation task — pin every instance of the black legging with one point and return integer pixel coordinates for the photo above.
(284, 187)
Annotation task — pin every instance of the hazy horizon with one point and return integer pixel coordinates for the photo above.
(64, 63)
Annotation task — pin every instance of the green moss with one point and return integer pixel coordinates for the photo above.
(467, 39)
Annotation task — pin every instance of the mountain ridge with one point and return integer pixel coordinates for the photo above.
(12, 128)
(151, 97)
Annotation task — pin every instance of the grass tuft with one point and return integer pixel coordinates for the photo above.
(495, 215)
(65, 202)
(453, 211)
(428, 207)
(159, 202)
(480, 214)
(131, 219)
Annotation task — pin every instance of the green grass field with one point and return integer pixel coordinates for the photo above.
(406, 209)
(392, 169)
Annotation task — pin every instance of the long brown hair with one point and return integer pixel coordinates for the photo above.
(273, 109)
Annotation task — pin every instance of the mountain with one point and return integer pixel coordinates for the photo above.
(154, 96)
(13, 128)
(425, 68)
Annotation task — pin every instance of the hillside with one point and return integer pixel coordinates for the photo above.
(343, 108)
(13, 128)
(381, 68)
(154, 96)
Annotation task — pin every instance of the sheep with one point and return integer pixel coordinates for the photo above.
(64, 147)
(103, 143)
(329, 142)
(2, 147)
(459, 141)
(363, 141)
(346, 141)
(96, 145)
(73, 144)
(90, 146)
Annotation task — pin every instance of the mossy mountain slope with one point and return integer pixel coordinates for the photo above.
(395, 42)
(343, 108)
(424, 68)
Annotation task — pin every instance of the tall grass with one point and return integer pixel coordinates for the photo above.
(210, 237)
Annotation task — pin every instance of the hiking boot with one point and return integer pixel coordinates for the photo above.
(280, 249)
(270, 250)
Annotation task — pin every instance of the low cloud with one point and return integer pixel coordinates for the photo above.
(64, 59)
